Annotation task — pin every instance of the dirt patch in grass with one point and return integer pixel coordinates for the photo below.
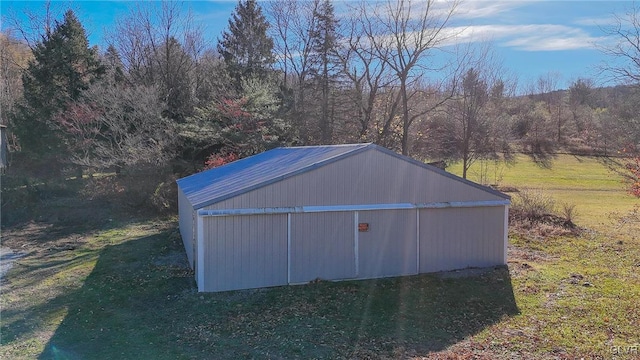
(41, 237)
(464, 273)
(522, 255)
(523, 260)
(7, 258)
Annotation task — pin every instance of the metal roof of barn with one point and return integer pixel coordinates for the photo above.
(241, 176)
(221, 183)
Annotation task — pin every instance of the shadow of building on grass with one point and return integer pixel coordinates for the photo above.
(140, 301)
(114, 314)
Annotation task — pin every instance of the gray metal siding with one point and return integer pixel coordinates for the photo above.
(243, 252)
(368, 177)
(462, 237)
(389, 248)
(186, 220)
(322, 246)
(253, 251)
(240, 176)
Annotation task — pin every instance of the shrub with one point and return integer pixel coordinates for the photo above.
(568, 212)
(144, 188)
(164, 197)
(533, 204)
(532, 215)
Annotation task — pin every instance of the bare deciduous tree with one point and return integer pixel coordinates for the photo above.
(547, 86)
(362, 67)
(14, 58)
(473, 124)
(294, 22)
(38, 25)
(118, 127)
(403, 35)
(161, 46)
(623, 65)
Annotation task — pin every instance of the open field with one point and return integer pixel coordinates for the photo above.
(584, 181)
(121, 289)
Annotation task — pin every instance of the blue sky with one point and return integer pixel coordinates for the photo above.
(531, 38)
(538, 37)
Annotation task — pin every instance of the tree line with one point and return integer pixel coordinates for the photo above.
(290, 72)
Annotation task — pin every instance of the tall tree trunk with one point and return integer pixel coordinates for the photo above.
(299, 106)
(405, 117)
(325, 126)
(465, 166)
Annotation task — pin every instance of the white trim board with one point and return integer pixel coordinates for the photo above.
(337, 208)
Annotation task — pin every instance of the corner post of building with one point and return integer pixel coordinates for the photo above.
(200, 250)
(506, 233)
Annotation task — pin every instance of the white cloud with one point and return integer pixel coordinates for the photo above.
(530, 37)
(545, 43)
(506, 24)
(601, 21)
(479, 9)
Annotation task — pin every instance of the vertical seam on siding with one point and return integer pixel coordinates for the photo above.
(417, 241)
(289, 248)
(355, 242)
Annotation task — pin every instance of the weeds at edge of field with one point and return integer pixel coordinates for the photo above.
(533, 215)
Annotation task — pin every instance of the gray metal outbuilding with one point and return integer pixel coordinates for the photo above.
(293, 215)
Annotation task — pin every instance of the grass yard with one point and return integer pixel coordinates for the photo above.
(121, 289)
(584, 181)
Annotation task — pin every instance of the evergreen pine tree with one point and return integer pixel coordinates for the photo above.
(245, 46)
(325, 63)
(63, 66)
(114, 68)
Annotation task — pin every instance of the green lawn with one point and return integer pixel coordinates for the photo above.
(584, 181)
(121, 290)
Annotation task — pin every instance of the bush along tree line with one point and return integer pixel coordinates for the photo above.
(160, 100)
